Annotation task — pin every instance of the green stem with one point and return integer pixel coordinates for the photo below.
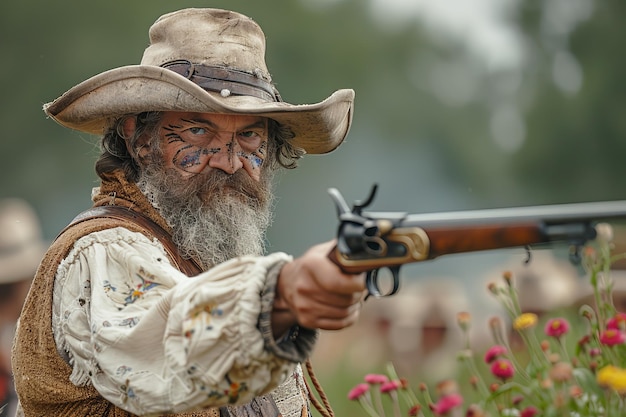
(367, 406)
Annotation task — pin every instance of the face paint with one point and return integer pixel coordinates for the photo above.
(255, 158)
(194, 141)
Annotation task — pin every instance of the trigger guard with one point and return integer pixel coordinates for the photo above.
(371, 282)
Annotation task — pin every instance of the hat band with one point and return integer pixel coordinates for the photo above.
(225, 81)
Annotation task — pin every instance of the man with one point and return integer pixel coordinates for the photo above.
(21, 249)
(158, 300)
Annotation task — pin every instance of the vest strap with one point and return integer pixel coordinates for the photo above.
(186, 265)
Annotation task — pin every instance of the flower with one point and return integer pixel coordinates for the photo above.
(464, 319)
(529, 411)
(376, 378)
(502, 368)
(358, 391)
(613, 377)
(390, 386)
(556, 327)
(617, 322)
(415, 410)
(495, 352)
(447, 403)
(525, 321)
(571, 365)
(612, 337)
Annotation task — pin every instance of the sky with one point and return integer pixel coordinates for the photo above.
(484, 26)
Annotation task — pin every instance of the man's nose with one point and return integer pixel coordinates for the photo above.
(227, 159)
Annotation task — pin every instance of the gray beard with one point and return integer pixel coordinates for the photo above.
(214, 216)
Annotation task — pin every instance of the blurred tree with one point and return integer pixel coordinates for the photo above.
(576, 147)
(433, 121)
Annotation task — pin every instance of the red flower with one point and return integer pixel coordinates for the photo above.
(617, 322)
(494, 352)
(584, 340)
(502, 368)
(529, 411)
(612, 337)
(556, 327)
(447, 403)
(415, 410)
(358, 391)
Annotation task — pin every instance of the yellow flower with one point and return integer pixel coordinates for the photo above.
(612, 377)
(525, 321)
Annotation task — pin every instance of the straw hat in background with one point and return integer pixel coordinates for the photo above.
(21, 242)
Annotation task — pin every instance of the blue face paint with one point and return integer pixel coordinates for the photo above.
(191, 156)
(255, 161)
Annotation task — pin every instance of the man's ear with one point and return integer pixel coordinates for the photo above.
(138, 149)
(128, 126)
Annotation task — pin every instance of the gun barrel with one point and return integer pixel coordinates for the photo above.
(549, 214)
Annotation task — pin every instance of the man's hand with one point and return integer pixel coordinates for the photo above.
(313, 292)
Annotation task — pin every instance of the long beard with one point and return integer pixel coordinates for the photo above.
(214, 216)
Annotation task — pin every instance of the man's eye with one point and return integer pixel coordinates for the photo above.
(249, 135)
(197, 130)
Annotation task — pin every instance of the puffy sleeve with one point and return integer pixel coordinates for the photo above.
(152, 340)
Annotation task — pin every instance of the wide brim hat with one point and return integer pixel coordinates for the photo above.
(206, 61)
(21, 243)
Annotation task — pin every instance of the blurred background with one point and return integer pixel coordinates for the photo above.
(460, 104)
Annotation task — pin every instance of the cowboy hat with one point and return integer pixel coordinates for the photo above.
(21, 244)
(206, 61)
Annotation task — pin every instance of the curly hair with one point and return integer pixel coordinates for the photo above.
(115, 154)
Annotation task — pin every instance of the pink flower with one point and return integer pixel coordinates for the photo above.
(593, 352)
(358, 391)
(494, 352)
(376, 378)
(390, 386)
(447, 403)
(612, 337)
(556, 327)
(617, 322)
(529, 411)
(502, 368)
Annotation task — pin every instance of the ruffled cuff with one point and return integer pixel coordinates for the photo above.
(297, 345)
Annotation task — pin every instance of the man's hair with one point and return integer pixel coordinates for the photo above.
(115, 154)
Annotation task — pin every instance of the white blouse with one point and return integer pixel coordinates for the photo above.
(152, 340)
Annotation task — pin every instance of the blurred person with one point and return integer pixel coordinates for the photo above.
(21, 249)
(160, 299)
(416, 330)
(546, 283)
(421, 330)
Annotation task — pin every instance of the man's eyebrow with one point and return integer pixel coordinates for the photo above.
(260, 123)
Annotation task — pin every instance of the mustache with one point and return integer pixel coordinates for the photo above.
(213, 183)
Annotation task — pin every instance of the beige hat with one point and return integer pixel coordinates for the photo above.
(21, 242)
(206, 61)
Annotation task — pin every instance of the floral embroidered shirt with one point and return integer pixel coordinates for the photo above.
(152, 340)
